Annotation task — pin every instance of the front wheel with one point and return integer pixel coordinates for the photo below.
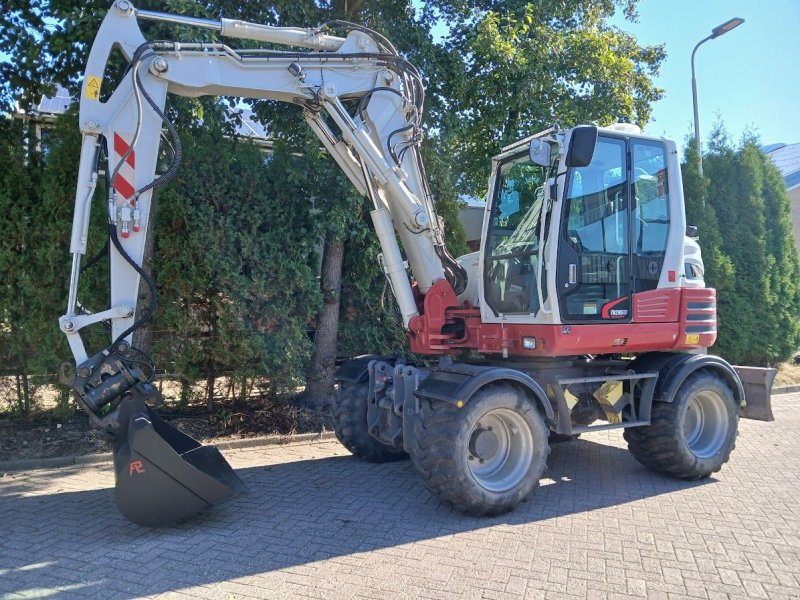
(692, 436)
(484, 458)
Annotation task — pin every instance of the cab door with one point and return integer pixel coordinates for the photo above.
(593, 275)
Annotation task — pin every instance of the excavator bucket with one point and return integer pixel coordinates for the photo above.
(164, 476)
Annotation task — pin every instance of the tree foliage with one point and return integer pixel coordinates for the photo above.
(20, 248)
(748, 249)
(520, 67)
(37, 185)
(229, 271)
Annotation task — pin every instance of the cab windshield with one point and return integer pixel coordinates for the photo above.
(513, 241)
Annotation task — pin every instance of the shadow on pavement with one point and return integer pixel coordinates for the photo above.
(76, 543)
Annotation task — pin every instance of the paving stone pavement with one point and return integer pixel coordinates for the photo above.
(319, 523)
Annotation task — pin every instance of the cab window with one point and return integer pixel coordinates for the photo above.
(513, 244)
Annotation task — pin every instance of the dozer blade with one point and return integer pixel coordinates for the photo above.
(757, 384)
(164, 476)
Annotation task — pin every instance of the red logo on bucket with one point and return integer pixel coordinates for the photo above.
(136, 467)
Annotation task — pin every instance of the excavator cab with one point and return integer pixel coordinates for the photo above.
(585, 227)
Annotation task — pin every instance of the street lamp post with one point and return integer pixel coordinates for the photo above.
(715, 33)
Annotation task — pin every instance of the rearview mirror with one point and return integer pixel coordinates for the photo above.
(581, 146)
(540, 152)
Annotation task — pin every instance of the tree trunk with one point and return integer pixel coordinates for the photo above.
(20, 399)
(347, 8)
(211, 380)
(26, 392)
(319, 377)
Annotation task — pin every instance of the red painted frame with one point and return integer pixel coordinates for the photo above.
(663, 320)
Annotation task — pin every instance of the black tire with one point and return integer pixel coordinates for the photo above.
(350, 425)
(682, 444)
(441, 448)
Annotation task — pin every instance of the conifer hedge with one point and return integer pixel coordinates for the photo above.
(748, 249)
(238, 236)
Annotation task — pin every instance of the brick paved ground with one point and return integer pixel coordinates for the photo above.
(322, 524)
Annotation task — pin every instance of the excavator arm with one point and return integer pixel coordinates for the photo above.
(376, 146)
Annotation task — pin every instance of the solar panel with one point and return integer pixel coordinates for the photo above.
(55, 105)
(249, 127)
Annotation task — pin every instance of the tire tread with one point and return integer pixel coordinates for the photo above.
(433, 447)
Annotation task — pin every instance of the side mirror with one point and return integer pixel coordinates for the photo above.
(581, 146)
(540, 152)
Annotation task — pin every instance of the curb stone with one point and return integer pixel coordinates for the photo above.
(786, 389)
(29, 464)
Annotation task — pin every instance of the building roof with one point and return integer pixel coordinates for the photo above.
(787, 158)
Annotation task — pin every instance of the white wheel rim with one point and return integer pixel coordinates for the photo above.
(500, 450)
(705, 424)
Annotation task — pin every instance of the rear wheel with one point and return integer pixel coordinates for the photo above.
(350, 425)
(692, 436)
(484, 458)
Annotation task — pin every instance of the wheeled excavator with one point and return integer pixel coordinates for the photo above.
(586, 301)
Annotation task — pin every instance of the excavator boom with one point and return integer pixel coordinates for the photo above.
(377, 147)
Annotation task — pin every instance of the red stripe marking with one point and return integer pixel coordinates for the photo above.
(123, 187)
(121, 147)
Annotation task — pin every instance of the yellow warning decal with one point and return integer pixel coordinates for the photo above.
(692, 338)
(92, 87)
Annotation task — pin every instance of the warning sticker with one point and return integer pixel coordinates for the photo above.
(692, 338)
(92, 87)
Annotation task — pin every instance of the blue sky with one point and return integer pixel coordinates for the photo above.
(750, 76)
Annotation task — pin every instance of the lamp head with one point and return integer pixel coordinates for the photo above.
(726, 27)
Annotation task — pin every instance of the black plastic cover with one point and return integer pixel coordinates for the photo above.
(355, 370)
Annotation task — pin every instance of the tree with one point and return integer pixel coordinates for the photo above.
(341, 212)
(759, 311)
(36, 200)
(19, 178)
(230, 269)
(523, 66)
(719, 268)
